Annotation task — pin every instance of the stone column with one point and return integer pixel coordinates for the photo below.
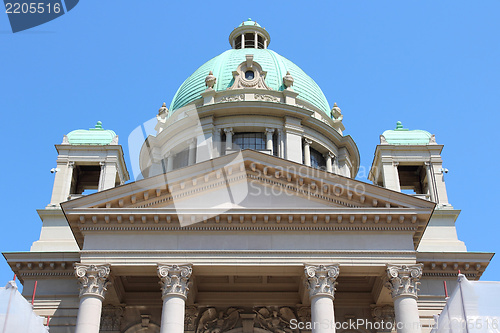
(93, 280)
(170, 161)
(242, 41)
(430, 181)
(321, 283)
(269, 139)
(396, 175)
(307, 152)
(403, 281)
(229, 138)
(281, 144)
(256, 41)
(192, 151)
(174, 289)
(217, 143)
(329, 157)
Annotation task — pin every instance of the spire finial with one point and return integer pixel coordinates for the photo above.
(399, 125)
(288, 80)
(163, 109)
(98, 125)
(210, 80)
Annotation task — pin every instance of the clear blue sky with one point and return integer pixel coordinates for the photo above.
(434, 65)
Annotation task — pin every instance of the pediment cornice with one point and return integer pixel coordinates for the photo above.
(148, 204)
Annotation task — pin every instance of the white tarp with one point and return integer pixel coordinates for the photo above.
(16, 314)
(473, 307)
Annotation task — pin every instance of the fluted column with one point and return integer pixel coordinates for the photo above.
(307, 152)
(93, 280)
(269, 139)
(321, 281)
(229, 138)
(174, 289)
(403, 281)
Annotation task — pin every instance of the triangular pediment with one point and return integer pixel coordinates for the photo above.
(248, 185)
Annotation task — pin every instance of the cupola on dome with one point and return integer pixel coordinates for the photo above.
(250, 39)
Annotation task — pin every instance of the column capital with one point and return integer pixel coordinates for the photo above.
(403, 280)
(191, 141)
(270, 130)
(174, 279)
(93, 279)
(307, 142)
(228, 130)
(329, 154)
(321, 279)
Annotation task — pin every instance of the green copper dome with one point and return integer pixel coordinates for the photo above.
(276, 66)
(92, 136)
(403, 136)
(249, 22)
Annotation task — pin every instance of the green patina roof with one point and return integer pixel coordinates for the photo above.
(403, 136)
(92, 136)
(276, 66)
(249, 22)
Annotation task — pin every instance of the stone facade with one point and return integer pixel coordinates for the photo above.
(248, 219)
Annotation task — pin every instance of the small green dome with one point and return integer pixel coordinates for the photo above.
(276, 66)
(249, 22)
(92, 136)
(404, 136)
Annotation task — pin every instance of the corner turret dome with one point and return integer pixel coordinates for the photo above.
(92, 136)
(275, 66)
(404, 136)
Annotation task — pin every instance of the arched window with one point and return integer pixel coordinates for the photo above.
(317, 160)
(255, 141)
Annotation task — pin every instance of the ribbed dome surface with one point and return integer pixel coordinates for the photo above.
(276, 66)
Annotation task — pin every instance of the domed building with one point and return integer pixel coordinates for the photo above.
(245, 216)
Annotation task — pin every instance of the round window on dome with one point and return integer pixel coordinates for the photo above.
(249, 75)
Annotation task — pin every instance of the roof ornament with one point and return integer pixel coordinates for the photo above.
(210, 81)
(163, 109)
(288, 81)
(98, 125)
(399, 126)
(336, 113)
(161, 117)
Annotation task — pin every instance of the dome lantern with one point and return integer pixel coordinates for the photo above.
(249, 35)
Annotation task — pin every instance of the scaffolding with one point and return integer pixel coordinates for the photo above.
(16, 313)
(473, 307)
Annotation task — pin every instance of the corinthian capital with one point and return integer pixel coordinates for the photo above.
(321, 279)
(93, 279)
(174, 279)
(403, 280)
